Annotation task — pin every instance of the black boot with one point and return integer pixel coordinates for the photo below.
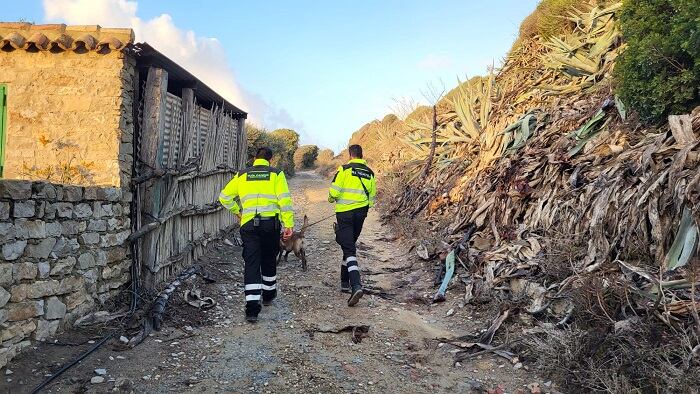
(355, 295)
(268, 297)
(345, 286)
(252, 309)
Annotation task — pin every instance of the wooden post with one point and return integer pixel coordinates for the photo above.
(151, 153)
(429, 161)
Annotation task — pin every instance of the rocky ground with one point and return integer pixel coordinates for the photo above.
(294, 347)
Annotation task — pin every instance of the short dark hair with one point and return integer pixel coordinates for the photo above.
(355, 151)
(264, 153)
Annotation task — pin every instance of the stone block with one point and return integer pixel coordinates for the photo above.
(34, 290)
(90, 238)
(108, 210)
(7, 232)
(115, 254)
(24, 209)
(55, 309)
(114, 239)
(127, 196)
(82, 211)
(21, 229)
(43, 191)
(15, 190)
(110, 194)
(90, 193)
(40, 208)
(71, 227)
(50, 211)
(54, 229)
(44, 269)
(97, 225)
(97, 211)
(45, 329)
(36, 229)
(4, 296)
(64, 210)
(86, 261)
(74, 299)
(63, 266)
(13, 250)
(6, 274)
(16, 332)
(65, 246)
(113, 224)
(24, 310)
(72, 193)
(91, 276)
(4, 210)
(24, 270)
(41, 250)
(71, 284)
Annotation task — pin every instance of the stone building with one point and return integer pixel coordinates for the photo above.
(111, 159)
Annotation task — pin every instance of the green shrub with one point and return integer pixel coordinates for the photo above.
(659, 72)
(305, 156)
(283, 142)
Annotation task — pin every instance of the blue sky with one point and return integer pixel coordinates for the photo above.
(324, 68)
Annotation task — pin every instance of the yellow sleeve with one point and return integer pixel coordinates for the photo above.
(372, 191)
(336, 185)
(228, 196)
(284, 199)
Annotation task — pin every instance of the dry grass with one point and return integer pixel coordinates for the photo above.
(548, 19)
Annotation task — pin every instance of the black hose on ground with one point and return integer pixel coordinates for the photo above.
(73, 363)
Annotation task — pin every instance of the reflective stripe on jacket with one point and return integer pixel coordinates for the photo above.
(259, 189)
(347, 189)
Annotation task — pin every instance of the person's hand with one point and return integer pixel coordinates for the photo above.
(331, 200)
(287, 233)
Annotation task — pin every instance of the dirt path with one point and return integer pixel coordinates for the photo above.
(215, 351)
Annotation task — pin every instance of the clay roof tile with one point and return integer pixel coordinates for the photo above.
(60, 37)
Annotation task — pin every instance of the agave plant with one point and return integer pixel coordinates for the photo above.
(585, 56)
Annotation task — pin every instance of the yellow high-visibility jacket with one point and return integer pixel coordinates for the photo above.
(259, 189)
(353, 186)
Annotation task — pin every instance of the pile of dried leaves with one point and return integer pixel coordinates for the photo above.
(578, 208)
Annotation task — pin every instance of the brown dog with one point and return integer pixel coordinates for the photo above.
(295, 244)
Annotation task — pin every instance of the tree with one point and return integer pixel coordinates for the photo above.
(305, 156)
(659, 72)
(325, 156)
(283, 144)
(284, 158)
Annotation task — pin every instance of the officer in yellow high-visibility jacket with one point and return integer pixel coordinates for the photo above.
(353, 191)
(260, 197)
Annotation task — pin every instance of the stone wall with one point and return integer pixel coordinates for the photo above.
(69, 116)
(63, 254)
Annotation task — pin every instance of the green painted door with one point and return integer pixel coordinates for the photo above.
(3, 125)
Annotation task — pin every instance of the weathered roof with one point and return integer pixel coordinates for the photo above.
(60, 37)
(178, 78)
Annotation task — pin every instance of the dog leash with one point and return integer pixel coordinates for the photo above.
(319, 221)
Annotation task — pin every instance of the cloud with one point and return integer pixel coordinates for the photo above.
(205, 57)
(435, 62)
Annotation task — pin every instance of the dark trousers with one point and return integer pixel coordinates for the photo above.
(260, 248)
(346, 235)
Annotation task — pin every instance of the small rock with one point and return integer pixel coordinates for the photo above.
(451, 312)
(123, 339)
(146, 377)
(518, 366)
(8, 372)
(97, 380)
(101, 371)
